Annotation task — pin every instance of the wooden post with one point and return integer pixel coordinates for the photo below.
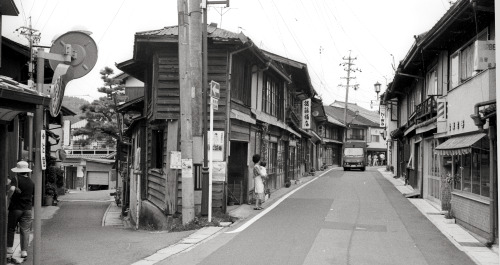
(37, 169)
(185, 116)
(195, 72)
(3, 194)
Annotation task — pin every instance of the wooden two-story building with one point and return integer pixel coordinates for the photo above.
(260, 112)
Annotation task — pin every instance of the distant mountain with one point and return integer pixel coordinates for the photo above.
(74, 103)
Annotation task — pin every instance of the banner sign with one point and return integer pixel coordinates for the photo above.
(306, 114)
(42, 150)
(382, 116)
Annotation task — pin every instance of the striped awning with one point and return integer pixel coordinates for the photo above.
(459, 145)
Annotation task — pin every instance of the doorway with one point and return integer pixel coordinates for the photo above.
(237, 173)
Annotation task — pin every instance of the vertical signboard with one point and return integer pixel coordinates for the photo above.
(42, 150)
(382, 116)
(217, 145)
(306, 114)
(66, 132)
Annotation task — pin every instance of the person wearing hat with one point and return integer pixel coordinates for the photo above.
(22, 190)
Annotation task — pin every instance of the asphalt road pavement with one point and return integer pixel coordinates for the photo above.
(348, 217)
(75, 235)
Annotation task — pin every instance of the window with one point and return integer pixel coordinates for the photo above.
(356, 134)
(271, 157)
(272, 101)
(241, 80)
(375, 138)
(157, 148)
(471, 171)
(462, 61)
(394, 111)
(432, 83)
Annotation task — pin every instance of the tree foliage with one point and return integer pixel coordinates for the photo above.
(101, 114)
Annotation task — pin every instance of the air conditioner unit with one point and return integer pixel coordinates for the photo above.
(484, 54)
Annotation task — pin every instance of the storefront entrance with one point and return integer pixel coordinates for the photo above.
(237, 173)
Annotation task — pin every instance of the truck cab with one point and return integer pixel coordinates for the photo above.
(354, 155)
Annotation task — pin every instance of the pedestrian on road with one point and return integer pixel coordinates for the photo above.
(259, 185)
(22, 190)
(375, 160)
(369, 160)
(382, 159)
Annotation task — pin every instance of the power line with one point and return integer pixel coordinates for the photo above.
(50, 16)
(112, 20)
(279, 31)
(43, 9)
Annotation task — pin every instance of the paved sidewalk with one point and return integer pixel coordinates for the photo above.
(46, 213)
(457, 235)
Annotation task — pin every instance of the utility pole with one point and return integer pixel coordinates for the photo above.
(186, 122)
(349, 69)
(33, 37)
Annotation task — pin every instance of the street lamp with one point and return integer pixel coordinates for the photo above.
(377, 88)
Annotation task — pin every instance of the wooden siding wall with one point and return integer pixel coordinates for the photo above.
(166, 85)
(156, 181)
(218, 71)
(166, 105)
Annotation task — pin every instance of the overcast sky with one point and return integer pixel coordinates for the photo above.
(319, 33)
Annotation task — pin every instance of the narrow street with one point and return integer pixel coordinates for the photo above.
(348, 217)
(75, 235)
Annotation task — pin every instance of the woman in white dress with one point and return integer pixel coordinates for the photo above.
(259, 185)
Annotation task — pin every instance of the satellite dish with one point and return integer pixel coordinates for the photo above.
(85, 49)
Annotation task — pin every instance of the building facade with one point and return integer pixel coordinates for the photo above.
(443, 95)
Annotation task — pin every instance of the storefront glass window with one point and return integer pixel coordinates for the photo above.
(471, 171)
(466, 172)
(456, 172)
(485, 173)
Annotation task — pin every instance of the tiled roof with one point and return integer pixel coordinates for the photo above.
(213, 32)
(371, 115)
(338, 114)
(9, 83)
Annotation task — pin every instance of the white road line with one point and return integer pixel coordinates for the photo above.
(268, 209)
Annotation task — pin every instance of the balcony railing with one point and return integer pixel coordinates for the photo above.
(424, 111)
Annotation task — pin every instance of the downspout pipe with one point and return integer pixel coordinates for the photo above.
(492, 142)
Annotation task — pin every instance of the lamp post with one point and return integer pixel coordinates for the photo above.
(377, 88)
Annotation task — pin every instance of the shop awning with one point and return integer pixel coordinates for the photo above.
(459, 145)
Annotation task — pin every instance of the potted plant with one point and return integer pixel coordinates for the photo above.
(50, 191)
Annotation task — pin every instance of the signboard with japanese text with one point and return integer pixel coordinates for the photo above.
(42, 149)
(306, 114)
(175, 160)
(382, 116)
(219, 171)
(187, 168)
(217, 145)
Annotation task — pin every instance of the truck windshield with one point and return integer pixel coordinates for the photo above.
(353, 152)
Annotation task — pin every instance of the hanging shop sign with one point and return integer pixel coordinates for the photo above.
(42, 150)
(382, 116)
(306, 114)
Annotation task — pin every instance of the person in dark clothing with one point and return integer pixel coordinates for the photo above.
(22, 190)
